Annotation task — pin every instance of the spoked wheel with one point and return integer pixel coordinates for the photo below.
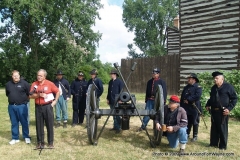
(158, 106)
(92, 121)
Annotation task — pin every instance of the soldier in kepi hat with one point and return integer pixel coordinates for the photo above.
(115, 86)
(97, 82)
(150, 94)
(78, 90)
(65, 94)
(175, 119)
(223, 99)
(191, 95)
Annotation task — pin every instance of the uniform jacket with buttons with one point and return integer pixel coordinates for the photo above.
(149, 92)
(78, 90)
(191, 93)
(98, 84)
(114, 87)
(227, 96)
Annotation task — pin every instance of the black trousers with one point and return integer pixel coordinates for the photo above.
(44, 114)
(219, 130)
(78, 112)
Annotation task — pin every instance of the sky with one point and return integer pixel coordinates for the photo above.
(115, 37)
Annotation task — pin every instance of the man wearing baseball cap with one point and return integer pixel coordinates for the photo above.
(150, 94)
(175, 118)
(223, 99)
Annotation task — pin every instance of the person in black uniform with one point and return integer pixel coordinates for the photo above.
(115, 86)
(150, 94)
(17, 91)
(191, 94)
(97, 82)
(223, 99)
(78, 90)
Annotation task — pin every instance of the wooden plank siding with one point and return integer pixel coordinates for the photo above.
(168, 65)
(173, 43)
(209, 36)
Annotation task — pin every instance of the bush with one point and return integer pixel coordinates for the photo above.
(206, 82)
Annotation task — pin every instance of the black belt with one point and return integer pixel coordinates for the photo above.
(16, 104)
(216, 109)
(43, 104)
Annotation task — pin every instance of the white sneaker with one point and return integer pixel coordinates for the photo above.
(14, 141)
(27, 140)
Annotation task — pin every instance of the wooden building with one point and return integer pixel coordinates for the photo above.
(209, 38)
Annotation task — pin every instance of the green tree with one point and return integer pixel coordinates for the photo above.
(148, 20)
(49, 34)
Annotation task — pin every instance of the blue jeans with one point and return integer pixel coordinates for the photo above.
(28, 118)
(116, 120)
(149, 106)
(61, 106)
(18, 113)
(179, 136)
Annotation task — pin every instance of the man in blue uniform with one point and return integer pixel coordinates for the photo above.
(17, 91)
(115, 86)
(223, 99)
(78, 90)
(150, 94)
(191, 95)
(65, 94)
(175, 119)
(97, 82)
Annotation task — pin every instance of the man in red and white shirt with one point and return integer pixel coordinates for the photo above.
(42, 91)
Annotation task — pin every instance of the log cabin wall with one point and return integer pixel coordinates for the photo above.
(209, 37)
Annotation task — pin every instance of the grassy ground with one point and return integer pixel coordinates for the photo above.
(72, 143)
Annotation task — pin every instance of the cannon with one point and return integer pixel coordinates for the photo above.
(124, 106)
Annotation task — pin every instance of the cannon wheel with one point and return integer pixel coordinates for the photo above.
(158, 105)
(92, 122)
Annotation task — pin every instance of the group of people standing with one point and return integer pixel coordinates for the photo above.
(183, 114)
(180, 114)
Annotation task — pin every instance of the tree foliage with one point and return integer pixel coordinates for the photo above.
(148, 20)
(48, 34)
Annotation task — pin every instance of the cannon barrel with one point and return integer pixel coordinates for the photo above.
(125, 107)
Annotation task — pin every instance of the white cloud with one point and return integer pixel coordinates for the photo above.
(115, 37)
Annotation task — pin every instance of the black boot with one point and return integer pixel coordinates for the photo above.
(195, 133)
(189, 129)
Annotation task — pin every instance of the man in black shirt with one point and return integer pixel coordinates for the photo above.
(17, 91)
(223, 99)
(150, 94)
(115, 86)
(78, 90)
(191, 95)
(97, 82)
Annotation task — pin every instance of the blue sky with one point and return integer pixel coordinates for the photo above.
(115, 37)
(115, 2)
